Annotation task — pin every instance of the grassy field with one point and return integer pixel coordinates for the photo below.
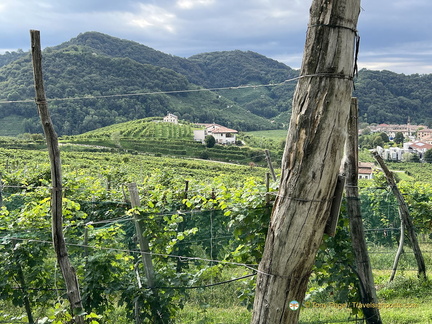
(276, 134)
(405, 300)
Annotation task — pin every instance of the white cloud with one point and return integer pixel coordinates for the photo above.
(191, 4)
(399, 65)
(152, 17)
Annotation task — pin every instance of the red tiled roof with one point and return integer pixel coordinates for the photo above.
(217, 129)
(420, 145)
(365, 168)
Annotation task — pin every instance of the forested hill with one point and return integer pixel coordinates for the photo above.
(388, 97)
(94, 65)
(89, 80)
(114, 47)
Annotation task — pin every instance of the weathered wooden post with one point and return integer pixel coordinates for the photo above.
(363, 265)
(68, 271)
(399, 250)
(311, 161)
(270, 165)
(267, 195)
(145, 257)
(22, 284)
(181, 228)
(405, 216)
(143, 241)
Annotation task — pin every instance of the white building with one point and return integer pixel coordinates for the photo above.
(392, 153)
(222, 134)
(397, 154)
(170, 118)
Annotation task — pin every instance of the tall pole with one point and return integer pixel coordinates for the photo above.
(68, 271)
(142, 240)
(270, 165)
(311, 161)
(363, 265)
(404, 215)
(145, 257)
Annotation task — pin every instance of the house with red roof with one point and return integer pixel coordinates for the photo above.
(222, 134)
(365, 170)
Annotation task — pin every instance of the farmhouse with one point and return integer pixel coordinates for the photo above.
(170, 118)
(365, 170)
(417, 147)
(222, 134)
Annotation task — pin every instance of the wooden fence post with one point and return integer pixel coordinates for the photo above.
(270, 165)
(363, 265)
(181, 228)
(311, 161)
(399, 250)
(143, 242)
(405, 216)
(22, 284)
(59, 243)
(267, 195)
(145, 254)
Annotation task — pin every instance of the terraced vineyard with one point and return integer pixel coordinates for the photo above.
(155, 137)
(141, 128)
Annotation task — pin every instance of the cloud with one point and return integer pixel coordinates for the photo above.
(408, 58)
(394, 33)
(191, 4)
(151, 17)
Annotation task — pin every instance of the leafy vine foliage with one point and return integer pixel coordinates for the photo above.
(187, 229)
(199, 219)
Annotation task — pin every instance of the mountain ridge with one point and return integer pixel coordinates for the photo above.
(95, 64)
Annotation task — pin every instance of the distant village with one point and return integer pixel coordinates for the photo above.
(418, 139)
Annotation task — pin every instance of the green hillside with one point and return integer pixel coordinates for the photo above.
(90, 83)
(388, 97)
(105, 80)
(152, 136)
(143, 129)
(106, 45)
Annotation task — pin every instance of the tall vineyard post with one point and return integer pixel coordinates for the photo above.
(69, 274)
(311, 160)
(405, 216)
(181, 228)
(363, 265)
(145, 251)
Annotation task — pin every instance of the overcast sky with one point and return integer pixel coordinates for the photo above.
(395, 34)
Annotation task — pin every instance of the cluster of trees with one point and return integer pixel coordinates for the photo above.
(11, 56)
(368, 140)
